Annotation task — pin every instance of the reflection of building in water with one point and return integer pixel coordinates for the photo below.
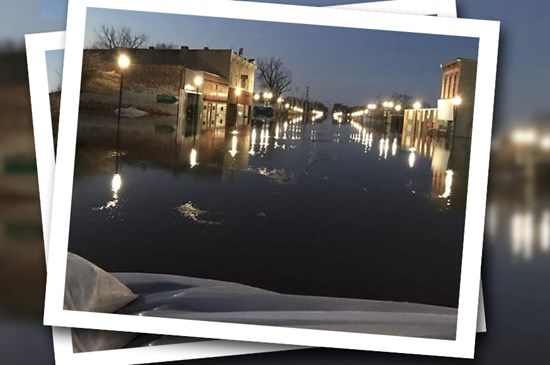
(450, 164)
(519, 193)
(213, 88)
(522, 219)
(17, 166)
(149, 142)
(456, 106)
(450, 173)
(236, 155)
(419, 123)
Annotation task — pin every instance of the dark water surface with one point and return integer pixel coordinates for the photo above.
(316, 209)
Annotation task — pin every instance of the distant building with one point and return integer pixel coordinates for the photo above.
(164, 82)
(458, 81)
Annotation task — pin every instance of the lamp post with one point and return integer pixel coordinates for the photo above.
(198, 80)
(123, 64)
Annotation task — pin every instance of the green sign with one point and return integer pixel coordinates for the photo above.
(166, 99)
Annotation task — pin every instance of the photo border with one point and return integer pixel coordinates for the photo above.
(463, 346)
(37, 47)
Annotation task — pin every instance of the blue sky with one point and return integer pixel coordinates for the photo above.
(523, 51)
(54, 64)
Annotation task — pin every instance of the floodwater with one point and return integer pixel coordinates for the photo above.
(314, 209)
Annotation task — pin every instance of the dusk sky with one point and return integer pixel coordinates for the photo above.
(522, 56)
(351, 66)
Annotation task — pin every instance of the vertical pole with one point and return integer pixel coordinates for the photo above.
(196, 119)
(118, 118)
(414, 127)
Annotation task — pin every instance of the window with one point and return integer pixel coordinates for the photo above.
(244, 81)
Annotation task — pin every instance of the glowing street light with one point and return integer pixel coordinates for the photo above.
(267, 97)
(256, 97)
(457, 101)
(417, 105)
(123, 61)
(198, 81)
(398, 108)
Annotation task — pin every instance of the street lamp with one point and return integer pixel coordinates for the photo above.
(256, 97)
(198, 81)
(398, 108)
(267, 96)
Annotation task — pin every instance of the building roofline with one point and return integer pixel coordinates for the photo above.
(457, 60)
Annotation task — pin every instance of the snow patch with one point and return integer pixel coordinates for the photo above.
(131, 112)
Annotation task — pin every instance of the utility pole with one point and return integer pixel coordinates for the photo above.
(307, 105)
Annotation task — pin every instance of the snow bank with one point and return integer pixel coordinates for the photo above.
(201, 299)
(131, 112)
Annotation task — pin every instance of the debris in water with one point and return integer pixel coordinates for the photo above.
(278, 176)
(195, 214)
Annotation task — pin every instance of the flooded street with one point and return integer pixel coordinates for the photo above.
(317, 209)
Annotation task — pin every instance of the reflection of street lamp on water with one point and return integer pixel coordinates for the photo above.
(416, 107)
(448, 184)
(233, 151)
(456, 103)
(412, 158)
(116, 183)
(237, 94)
(193, 158)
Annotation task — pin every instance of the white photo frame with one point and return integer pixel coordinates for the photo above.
(62, 336)
(461, 347)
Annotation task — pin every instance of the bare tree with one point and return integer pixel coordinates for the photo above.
(109, 37)
(162, 45)
(404, 100)
(273, 75)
